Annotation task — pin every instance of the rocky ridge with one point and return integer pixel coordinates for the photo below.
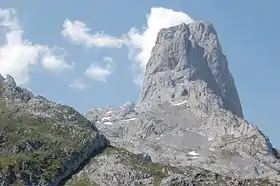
(117, 166)
(189, 112)
(186, 129)
(45, 143)
(42, 142)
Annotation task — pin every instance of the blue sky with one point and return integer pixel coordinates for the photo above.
(104, 74)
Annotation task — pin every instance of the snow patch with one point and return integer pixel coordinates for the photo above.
(181, 103)
(195, 157)
(193, 153)
(131, 119)
(105, 119)
(109, 112)
(108, 123)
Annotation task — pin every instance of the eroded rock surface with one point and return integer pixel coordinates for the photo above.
(186, 129)
(189, 112)
(187, 53)
(119, 167)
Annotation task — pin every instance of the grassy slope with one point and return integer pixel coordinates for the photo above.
(37, 149)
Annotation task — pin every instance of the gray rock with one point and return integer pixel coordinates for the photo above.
(10, 80)
(2, 79)
(42, 142)
(173, 135)
(95, 114)
(144, 157)
(189, 112)
(119, 167)
(186, 129)
(187, 53)
(127, 108)
(12, 93)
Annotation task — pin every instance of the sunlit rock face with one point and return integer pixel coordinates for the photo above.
(189, 112)
(187, 53)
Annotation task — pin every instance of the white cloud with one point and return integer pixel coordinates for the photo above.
(141, 42)
(8, 19)
(78, 84)
(55, 61)
(78, 33)
(99, 73)
(17, 54)
(108, 59)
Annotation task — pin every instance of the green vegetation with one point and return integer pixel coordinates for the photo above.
(158, 171)
(39, 148)
(82, 182)
(18, 183)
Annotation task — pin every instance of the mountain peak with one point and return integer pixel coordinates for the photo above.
(183, 54)
(10, 80)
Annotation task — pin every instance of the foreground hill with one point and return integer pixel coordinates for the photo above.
(41, 142)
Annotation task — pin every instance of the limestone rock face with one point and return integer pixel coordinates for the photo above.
(119, 167)
(189, 112)
(183, 54)
(186, 129)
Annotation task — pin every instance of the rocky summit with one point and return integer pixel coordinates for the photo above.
(187, 127)
(189, 112)
(184, 54)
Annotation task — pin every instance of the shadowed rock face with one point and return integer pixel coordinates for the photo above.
(186, 53)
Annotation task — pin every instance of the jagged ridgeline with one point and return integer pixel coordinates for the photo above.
(189, 112)
(42, 142)
(186, 129)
